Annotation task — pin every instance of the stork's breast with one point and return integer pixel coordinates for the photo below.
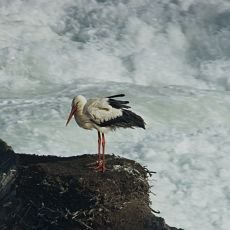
(83, 122)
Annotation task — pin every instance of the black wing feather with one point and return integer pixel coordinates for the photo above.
(118, 104)
(128, 119)
(117, 95)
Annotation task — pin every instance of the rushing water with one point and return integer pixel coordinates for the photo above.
(170, 58)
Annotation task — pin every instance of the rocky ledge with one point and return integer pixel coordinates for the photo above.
(49, 192)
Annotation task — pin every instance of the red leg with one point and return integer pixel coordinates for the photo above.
(103, 152)
(101, 162)
(99, 147)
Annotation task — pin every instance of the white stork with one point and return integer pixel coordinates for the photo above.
(103, 114)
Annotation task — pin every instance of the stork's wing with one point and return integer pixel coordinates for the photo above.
(99, 110)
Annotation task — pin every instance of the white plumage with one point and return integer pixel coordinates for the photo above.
(103, 114)
(99, 111)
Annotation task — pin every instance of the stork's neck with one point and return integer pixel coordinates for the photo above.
(81, 118)
(79, 115)
(80, 108)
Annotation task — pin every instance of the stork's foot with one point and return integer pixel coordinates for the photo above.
(95, 164)
(99, 166)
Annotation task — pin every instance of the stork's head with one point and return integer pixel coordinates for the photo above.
(78, 103)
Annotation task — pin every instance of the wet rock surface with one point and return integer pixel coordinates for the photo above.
(49, 192)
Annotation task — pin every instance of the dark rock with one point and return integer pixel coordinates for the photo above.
(7, 174)
(49, 192)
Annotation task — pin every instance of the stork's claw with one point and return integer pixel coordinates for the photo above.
(98, 166)
(95, 163)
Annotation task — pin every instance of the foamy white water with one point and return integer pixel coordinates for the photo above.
(171, 58)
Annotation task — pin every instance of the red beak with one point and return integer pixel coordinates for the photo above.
(73, 110)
